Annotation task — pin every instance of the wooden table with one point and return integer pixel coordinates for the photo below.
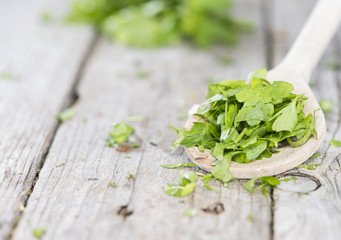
(56, 175)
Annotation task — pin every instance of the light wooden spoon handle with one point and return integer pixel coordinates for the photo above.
(313, 39)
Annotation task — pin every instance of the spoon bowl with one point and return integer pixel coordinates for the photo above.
(296, 69)
(287, 158)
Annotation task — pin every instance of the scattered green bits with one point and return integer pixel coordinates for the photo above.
(119, 134)
(39, 232)
(244, 122)
(66, 115)
(130, 176)
(249, 217)
(143, 74)
(178, 165)
(266, 181)
(326, 105)
(287, 179)
(225, 61)
(185, 187)
(112, 184)
(190, 212)
(45, 17)
(60, 165)
(335, 143)
(316, 155)
(6, 76)
(135, 119)
(209, 187)
(311, 166)
(335, 66)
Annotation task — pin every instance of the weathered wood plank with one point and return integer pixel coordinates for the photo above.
(75, 200)
(316, 215)
(37, 77)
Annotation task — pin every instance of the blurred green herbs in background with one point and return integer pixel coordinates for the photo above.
(152, 23)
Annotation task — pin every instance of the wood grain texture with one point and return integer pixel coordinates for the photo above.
(75, 201)
(301, 211)
(37, 76)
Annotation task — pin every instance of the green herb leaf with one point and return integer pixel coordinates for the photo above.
(66, 114)
(209, 187)
(335, 143)
(191, 212)
(316, 155)
(121, 132)
(178, 165)
(326, 105)
(186, 186)
(39, 232)
(135, 119)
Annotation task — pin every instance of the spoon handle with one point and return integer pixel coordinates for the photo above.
(314, 38)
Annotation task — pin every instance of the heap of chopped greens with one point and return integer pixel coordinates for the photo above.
(243, 122)
(151, 23)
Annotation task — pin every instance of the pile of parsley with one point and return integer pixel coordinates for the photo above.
(151, 23)
(244, 122)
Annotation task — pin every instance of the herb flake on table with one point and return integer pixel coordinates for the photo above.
(326, 105)
(66, 115)
(177, 165)
(311, 166)
(187, 183)
(135, 119)
(335, 143)
(38, 232)
(190, 212)
(316, 155)
(267, 181)
(119, 136)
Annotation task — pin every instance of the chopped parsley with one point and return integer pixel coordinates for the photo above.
(266, 181)
(190, 212)
(135, 119)
(326, 105)
(209, 187)
(316, 155)
(335, 66)
(311, 166)
(249, 217)
(66, 115)
(119, 134)
(143, 74)
(112, 184)
(335, 143)
(130, 176)
(178, 165)
(6, 76)
(288, 179)
(185, 187)
(244, 122)
(38, 232)
(225, 61)
(150, 23)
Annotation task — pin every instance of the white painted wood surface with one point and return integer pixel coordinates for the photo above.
(40, 63)
(74, 201)
(316, 215)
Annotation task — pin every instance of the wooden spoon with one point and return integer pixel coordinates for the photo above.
(296, 69)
